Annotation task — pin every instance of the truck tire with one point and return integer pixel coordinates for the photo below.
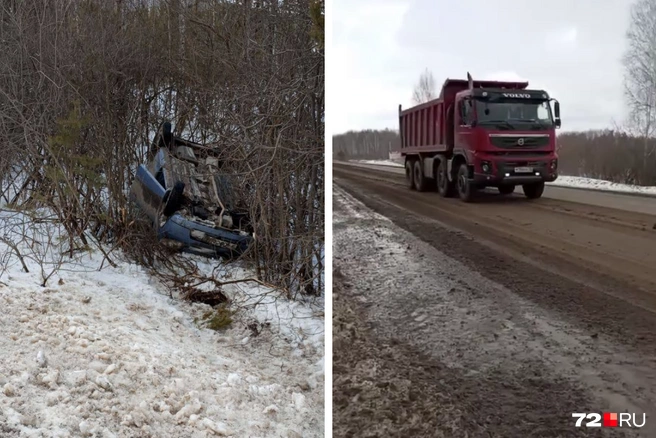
(421, 182)
(466, 189)
(506, 190)
(409, 174)
(533, 191)
(445, 188)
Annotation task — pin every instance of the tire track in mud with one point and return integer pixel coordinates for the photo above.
(421, 353)
(606, 300)
(384, 387)
(582, 333)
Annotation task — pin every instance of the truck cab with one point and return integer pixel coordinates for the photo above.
(507, 137)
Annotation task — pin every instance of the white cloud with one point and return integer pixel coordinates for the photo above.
(362, 80)
(568, 36)
(379, 49)
(563, 38)
(509, 76)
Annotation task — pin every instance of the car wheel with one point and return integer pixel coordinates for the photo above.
(173, 199)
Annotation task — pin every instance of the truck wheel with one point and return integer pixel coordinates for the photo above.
(466, 189)
(533, 191)
(421, 183)
(445, 187)
(506, 190)
(409, 174)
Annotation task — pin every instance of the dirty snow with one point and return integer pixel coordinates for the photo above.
(108, 353)
(579, 182)
(488, 361)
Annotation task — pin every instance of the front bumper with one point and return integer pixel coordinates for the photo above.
(197, 238)
(504, 173)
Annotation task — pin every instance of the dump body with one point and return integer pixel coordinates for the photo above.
(502, 132)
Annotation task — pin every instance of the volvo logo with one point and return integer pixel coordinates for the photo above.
(517, 95)
(520, 142)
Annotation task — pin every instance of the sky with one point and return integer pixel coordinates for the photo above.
(570, 48)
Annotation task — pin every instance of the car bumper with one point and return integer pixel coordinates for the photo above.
(197, 238)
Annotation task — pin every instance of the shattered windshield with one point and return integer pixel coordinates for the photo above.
(515, 114)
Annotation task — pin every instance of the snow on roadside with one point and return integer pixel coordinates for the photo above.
(109, 354)
(299, 322)
(380, 162)
(600, 184)
(562, 181)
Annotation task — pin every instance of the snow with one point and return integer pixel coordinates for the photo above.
(380, 163)
(600, 184)
(108, 353)
(579, 182)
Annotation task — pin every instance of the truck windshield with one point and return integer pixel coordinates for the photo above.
(515, 114)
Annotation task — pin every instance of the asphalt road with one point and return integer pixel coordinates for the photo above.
(582, 260)
(636, 203)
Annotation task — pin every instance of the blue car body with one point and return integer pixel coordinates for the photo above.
(173, 194)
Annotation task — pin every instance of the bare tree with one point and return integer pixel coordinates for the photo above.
(640, 72)
(84, 84)
(368, 144)
(425, 88)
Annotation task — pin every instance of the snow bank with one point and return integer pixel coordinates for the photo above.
(562, 181)
(380, 162)
(600, 184)
(109, 354)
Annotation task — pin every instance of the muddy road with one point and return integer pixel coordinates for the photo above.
(636, 202)
(499, 318)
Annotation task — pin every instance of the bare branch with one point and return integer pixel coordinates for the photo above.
(425, 88)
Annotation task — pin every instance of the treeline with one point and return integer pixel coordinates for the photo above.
(611, 155)
(369, 144)
(84, 84)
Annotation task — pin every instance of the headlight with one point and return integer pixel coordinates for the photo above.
(198, 235)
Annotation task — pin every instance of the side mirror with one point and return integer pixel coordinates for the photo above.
(556, 113)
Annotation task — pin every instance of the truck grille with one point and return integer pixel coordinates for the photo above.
(516, 142)
(516, 153)
(523, 163)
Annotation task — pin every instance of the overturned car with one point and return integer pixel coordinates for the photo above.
(189, 201)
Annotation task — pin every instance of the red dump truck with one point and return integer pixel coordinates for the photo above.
(481, 134)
